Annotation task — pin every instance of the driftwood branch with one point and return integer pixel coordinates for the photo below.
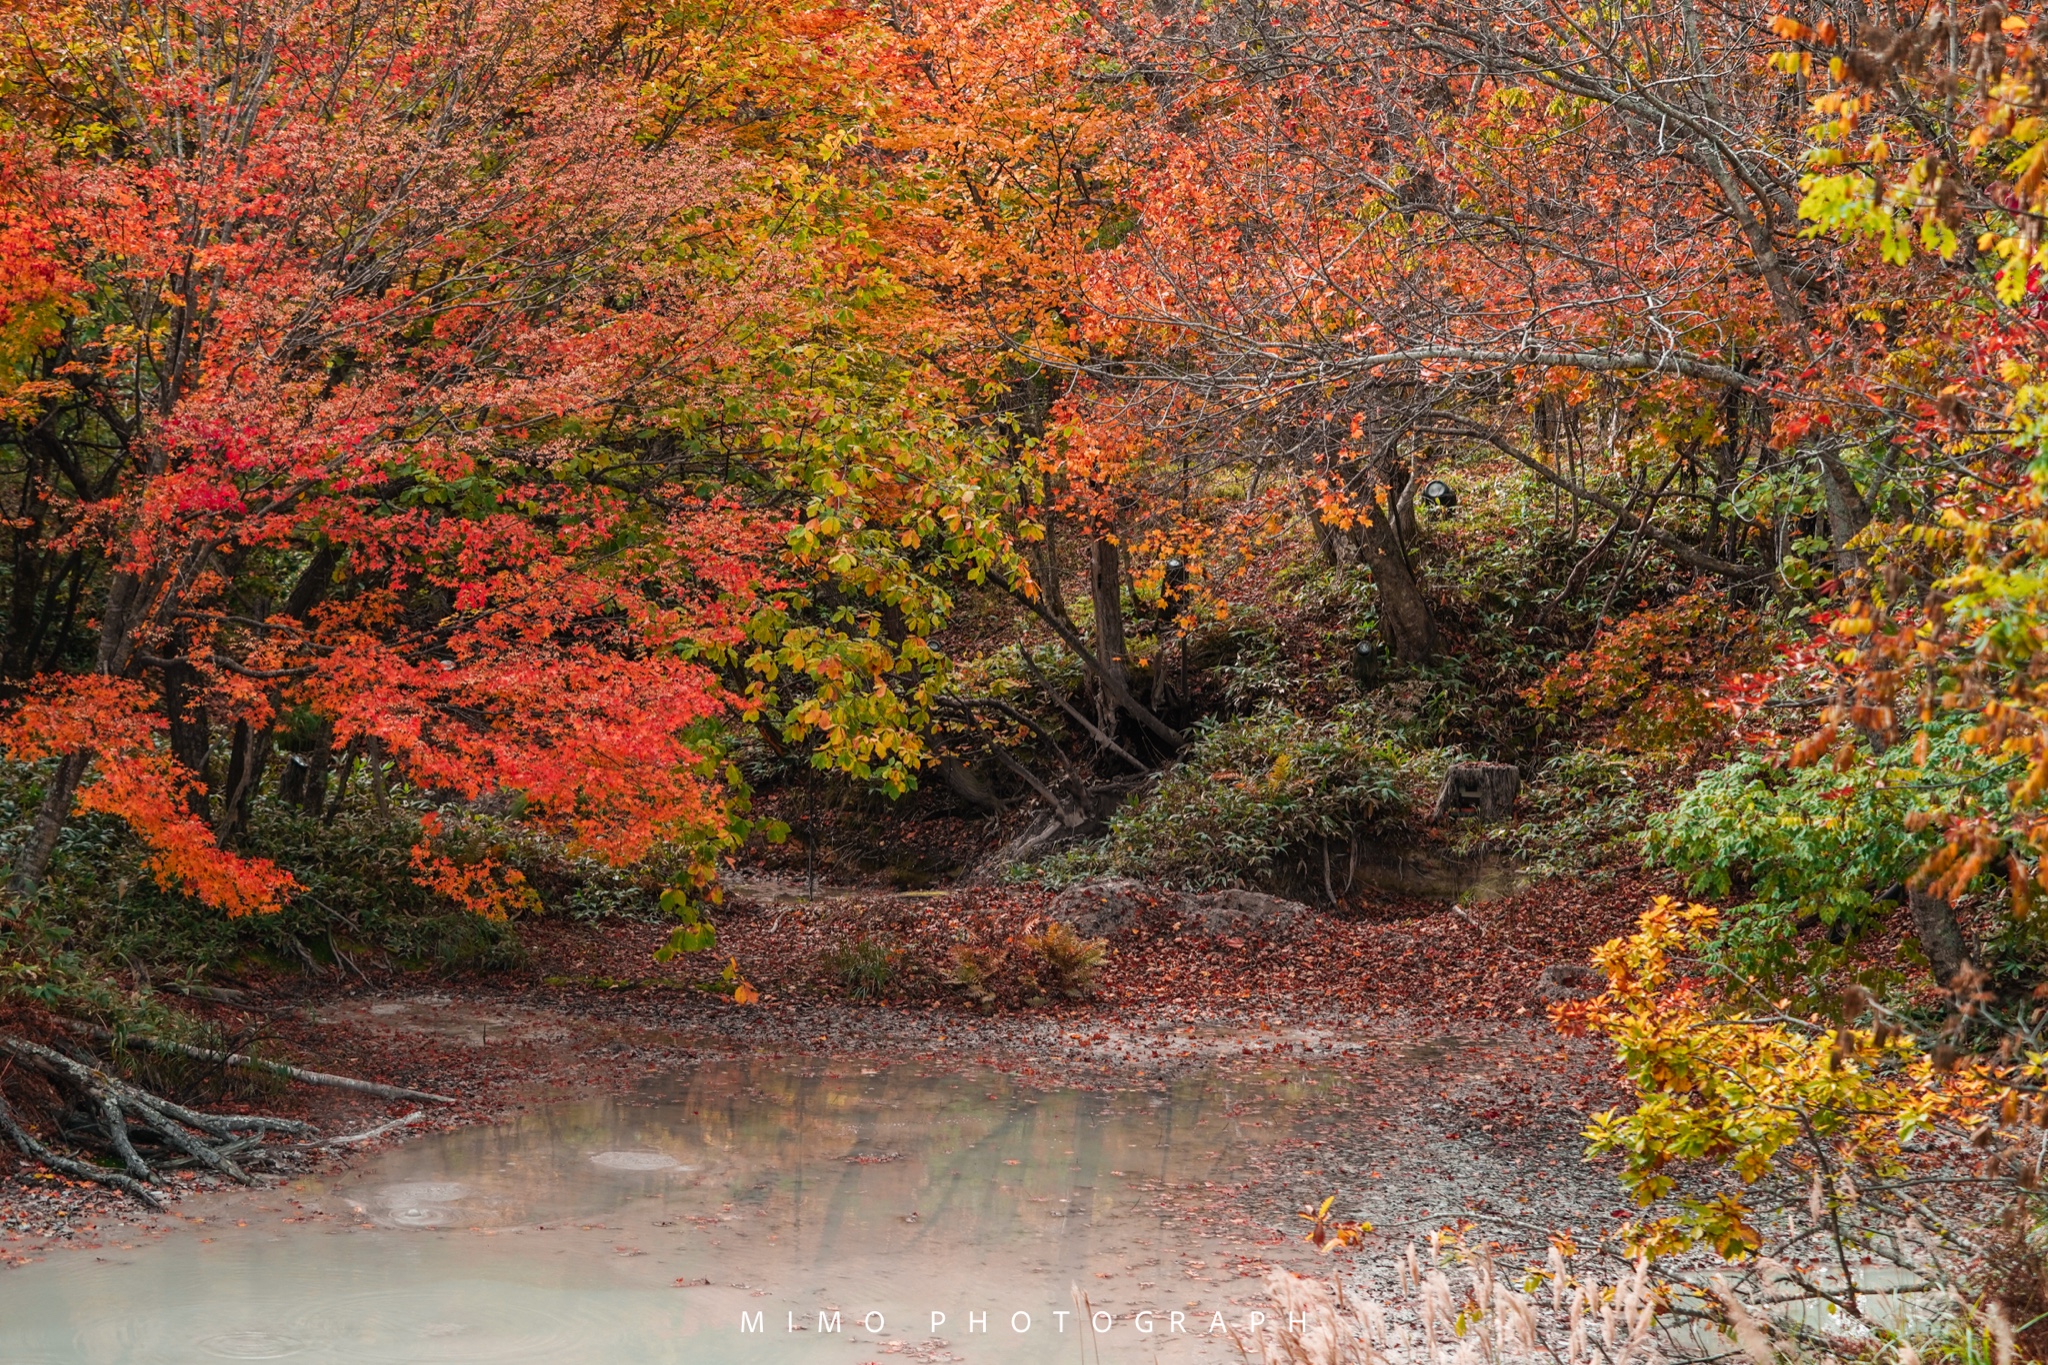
(299, 1074)
(121, 1110)
(379, 1131)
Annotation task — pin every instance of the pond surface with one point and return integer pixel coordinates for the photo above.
(733, 1213)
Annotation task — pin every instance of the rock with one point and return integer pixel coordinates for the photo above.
(1109, 905)
(1237, 912)
(1570, 981)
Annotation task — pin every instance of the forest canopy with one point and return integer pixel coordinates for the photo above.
(506, 458)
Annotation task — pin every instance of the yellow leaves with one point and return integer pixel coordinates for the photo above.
(1712, 1085)
(1723, 1223)
(2027, 168)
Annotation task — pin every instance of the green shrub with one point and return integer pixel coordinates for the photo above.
(865, 968)
(1810, 847)
(1246, 793)
(1582, 810)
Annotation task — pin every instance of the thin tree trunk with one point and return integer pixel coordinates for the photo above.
(1106, 593)
(1325, 534)
(124, 592)
(247, 758)
(1079, 647)
(1044, 559)
(1405, 614)
(251, 751)
(49, 823)
(1941, 938)
(1405, 524)
(191, 736)
(379, 782)
(348, 771)
(1848, 513)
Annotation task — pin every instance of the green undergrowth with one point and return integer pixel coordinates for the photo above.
(1245, 794)
(101, 916)
(1580, 813)
(1825, 847)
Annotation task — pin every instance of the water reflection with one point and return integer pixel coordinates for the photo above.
(735, 1213)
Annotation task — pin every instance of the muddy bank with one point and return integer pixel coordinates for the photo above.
(1475, 1103)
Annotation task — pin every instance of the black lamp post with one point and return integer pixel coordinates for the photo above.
(1438, 494)
(1176, 580)
(1367, 661)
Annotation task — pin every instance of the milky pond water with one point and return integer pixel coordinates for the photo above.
(735, 1213)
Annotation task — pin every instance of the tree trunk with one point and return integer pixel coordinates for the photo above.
(1106, 593)
(191, 735)
(1044, 558)
(380, 785)
(1404, 613)
(251, 751)
(1080, 650)
(1325, 534)
(1941, 938)
(126, 592)
(49, 823)
(1405, 524)
(291, 783)
(1848, 513)
(247, 758)
(317, 764)
(349, 758)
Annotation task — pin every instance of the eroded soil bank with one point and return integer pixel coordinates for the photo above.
(1462, 1100)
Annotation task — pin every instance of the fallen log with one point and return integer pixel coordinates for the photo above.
(118, 1112)
(294, 1073)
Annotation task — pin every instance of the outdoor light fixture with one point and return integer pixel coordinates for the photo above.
(1367, 658)
(1438, 494)
(1176, 575)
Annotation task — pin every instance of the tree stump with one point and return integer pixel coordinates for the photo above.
(1484, 789)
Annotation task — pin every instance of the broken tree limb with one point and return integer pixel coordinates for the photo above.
(1094, 732)
(294, 1073)
(1118, 691)
(379, 1131)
